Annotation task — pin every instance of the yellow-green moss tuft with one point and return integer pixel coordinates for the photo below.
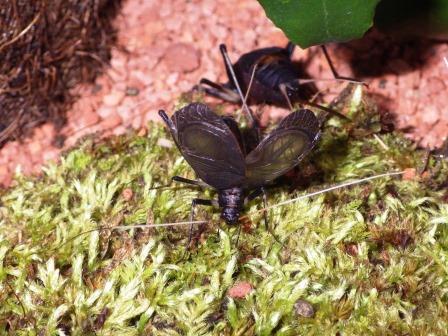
(370, 259)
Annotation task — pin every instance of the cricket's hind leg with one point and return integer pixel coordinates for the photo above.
(261, 191)
(328, 110)
(334, 71)
(217, 90)
(195, 202)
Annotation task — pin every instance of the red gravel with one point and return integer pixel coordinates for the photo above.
(240, 290)
(166, 47)
(409, 174)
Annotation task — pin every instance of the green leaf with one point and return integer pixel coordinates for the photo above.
(312, 22)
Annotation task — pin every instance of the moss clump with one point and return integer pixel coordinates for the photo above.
(370, 259)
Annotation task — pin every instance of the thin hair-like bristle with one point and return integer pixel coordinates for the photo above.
(338, 186)
(129, 227)
(249, 87)
(147, 226)
(237, 85)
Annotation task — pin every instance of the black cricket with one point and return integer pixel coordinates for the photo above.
(270, 75)
(215, 149)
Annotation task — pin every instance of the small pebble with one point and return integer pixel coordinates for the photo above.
(125, 111)
(114, 98)
(132, 91)
(304, 308)
(137, 122)
(435, 85)
(172, 78)
(142, 132)
(409, 174)
(105, 111)
(181, 57)
(140, 80)
(35, 147)
(430, 115)
(47, 130)
(119, 130)
(110, 122)
(4, 171)
(240, 290)
(87, 119)
(5, 176)
(127, 194)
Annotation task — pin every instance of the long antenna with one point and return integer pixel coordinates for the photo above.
(334, 71)
(229, 66)
(127, 227)
(252, 76)
(146, 226)
(337, 186)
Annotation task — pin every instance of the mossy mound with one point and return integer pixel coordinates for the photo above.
(369, 259)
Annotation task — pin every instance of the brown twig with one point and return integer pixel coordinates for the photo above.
(23, 32)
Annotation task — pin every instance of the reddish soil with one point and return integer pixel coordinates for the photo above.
(164, 48)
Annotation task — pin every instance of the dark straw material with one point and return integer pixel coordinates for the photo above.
(46, 48)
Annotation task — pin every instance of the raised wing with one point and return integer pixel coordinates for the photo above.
(209, 146)
(283, 148)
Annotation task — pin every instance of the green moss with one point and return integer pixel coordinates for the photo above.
(371, 259)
